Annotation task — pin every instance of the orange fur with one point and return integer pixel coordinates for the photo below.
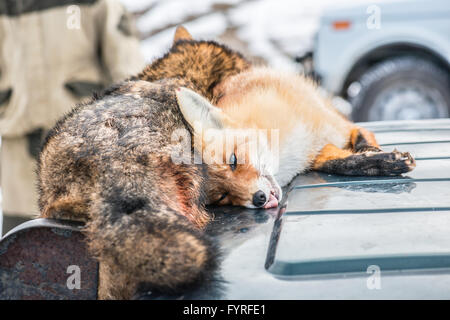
(330, 152)
(368, 136)
(181, 34)
(310, 131)
(261, 98)
(240, 184)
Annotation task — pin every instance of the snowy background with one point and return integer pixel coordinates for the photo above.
(264, 30)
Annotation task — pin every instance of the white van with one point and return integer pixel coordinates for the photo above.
(390, 60)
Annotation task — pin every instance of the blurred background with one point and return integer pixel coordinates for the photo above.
(381, 60)
(390, 59)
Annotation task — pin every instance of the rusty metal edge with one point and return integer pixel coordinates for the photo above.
(45, 223)
(58, 224)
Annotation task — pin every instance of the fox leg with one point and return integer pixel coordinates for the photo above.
(362, 140)
(332, 159)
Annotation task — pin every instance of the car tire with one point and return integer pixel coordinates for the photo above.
(417, 83)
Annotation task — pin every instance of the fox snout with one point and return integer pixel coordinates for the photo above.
(260, 199)
(225, 189)
(269, 194)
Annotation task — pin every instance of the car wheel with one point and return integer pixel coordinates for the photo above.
(404, 88)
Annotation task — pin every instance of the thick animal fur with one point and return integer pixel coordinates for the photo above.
(108, 162)
(203, 64)
(310, 134)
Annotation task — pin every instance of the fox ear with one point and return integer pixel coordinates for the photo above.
(181, 34)
(198, 111)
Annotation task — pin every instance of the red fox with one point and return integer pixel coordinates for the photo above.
(109, 162)
(311, 133)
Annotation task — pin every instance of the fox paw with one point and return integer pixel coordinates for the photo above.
(365, 149)
(385, 163)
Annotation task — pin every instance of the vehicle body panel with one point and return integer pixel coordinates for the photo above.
(417, 23)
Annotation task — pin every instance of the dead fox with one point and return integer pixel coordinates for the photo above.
(311, 135)
(109, 162)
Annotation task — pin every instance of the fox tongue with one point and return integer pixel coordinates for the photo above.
(272, 203)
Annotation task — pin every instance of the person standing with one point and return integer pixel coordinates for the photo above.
(53, 54)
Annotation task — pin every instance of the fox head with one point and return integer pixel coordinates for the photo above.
(240, 161)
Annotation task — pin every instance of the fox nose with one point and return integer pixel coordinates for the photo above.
(259, 199)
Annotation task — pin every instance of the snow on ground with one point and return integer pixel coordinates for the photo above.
(206, 27)
(274, 31)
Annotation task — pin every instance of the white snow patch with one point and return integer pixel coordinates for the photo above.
(274, 30)
(205, 28)
(137, 5)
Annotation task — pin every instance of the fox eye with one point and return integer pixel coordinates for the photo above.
(222, 197)
(233, 162)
